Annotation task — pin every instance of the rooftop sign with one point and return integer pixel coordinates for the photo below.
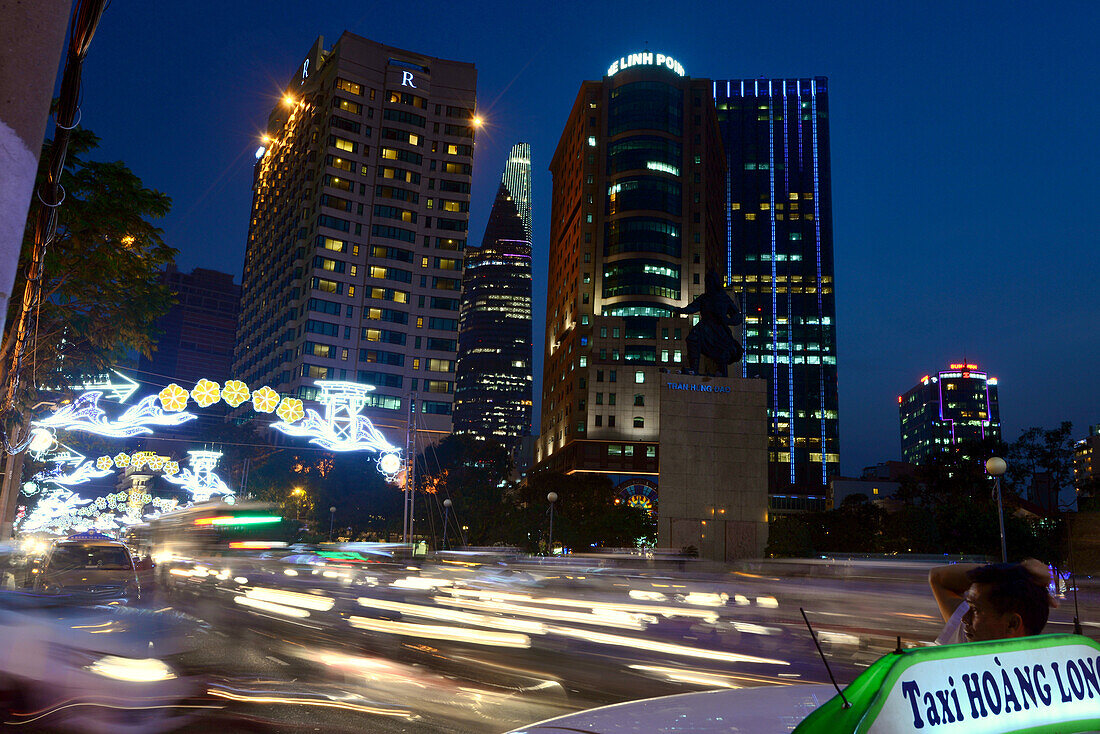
(646, 58)
(1030, 684)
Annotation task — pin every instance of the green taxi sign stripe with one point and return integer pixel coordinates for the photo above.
(1048, 683)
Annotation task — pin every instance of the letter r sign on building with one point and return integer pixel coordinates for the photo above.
(407, 79)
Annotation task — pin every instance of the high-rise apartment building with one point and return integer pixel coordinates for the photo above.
(198, 332)
(493, 381)
(355, 248)
(637, 218)
(778, 259)
(955, 406)
(1086, 459)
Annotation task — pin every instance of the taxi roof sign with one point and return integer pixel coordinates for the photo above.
(1043, 683)
(89, 535)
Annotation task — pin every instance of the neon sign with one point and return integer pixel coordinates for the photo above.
(84, 414)
(202, 483)
(646, 58)
(342, 428)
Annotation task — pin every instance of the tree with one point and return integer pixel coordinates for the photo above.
(1043, 454)
(472, 474)
(587, 513)
(100, 291)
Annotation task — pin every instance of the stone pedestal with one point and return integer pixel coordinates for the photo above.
(713, 466)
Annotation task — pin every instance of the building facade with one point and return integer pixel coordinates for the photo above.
(637, 218)
(778, 258)
(198, 333)
(955, 406)
(494, 379)
(1086, 459)
(360, 211)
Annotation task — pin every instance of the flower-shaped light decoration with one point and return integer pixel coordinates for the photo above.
(173, 398)
(265, 399)
(138, 460)
(122, 460)
(156, 463)
(171, 468)
(104, 463)
(111, 501)
(235, 392)
(101, 502)
(206, 393)
(290, 410)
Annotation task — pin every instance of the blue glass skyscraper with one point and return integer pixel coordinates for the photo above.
(779, 263)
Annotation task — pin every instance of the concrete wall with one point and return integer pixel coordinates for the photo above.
(714, 460)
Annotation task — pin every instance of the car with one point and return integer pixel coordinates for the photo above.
(89, 568)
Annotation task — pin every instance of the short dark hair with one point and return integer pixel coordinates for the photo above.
(1012, 589)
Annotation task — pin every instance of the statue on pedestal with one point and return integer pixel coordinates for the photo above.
(712, 337)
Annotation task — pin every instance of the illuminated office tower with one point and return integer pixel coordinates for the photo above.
(637, 218)
(778, 259)
(493, 381)
(957, 405)
(361, 196)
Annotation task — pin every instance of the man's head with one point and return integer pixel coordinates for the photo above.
(1005, 601)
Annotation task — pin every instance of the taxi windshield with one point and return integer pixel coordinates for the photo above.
(102, 557)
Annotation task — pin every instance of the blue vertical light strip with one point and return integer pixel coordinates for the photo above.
(820, 284)
(775, 304)
(790, 297)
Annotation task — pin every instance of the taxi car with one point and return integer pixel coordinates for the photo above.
(89, 567)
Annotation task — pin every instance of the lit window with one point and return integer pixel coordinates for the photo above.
(346, 145)
(639, 377)
(592, 140)
(639, 422)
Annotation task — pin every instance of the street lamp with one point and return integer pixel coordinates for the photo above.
(551, 497)
(331, 519)
(996, 467)
(446, 511)
(298, 492)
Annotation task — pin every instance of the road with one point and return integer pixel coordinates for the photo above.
(485, 647)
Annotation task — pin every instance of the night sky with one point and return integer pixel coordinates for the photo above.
(964, 154)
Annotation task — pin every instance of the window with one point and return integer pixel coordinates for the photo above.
(328, 286)
(350, 87)
(610, 421)
(584, 361)
(614, 449)
(342, 144)
(436, 408)
(628, 450)
(639, 399)
(347, 105)
(639, 421)
(651, 452)
(442, 386)
(611, 398)
(599, 398)
(611, 377)
(599, 421)
(599, 375)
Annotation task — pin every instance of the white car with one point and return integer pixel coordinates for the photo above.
(89, 669)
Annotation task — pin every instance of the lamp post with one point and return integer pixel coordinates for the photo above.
(996, 467)
(298, 492)
(446, 511)
(331, 519)
(551, 497)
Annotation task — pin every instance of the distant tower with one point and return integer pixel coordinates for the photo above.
(493, 381)
(955, 406)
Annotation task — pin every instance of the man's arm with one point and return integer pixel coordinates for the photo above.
(949, 583)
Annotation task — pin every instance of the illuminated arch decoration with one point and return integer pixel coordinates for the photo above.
(202, 483)
(638, 493)
(341, 428)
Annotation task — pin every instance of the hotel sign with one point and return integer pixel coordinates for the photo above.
(646, 58)
(695, 387)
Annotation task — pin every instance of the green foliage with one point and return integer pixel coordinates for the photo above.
(1041, 451)
(586, 514)
(948, 506)
(101, 294)
(472, 474)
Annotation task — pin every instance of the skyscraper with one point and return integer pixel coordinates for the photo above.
(493, 381)
(637, 218)
(198, 332)
(779, 260)
(360, 209)
(940, 412)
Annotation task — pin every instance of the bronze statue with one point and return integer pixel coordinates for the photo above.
(712, 337)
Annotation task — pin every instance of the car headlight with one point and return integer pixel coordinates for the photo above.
(131, 670)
